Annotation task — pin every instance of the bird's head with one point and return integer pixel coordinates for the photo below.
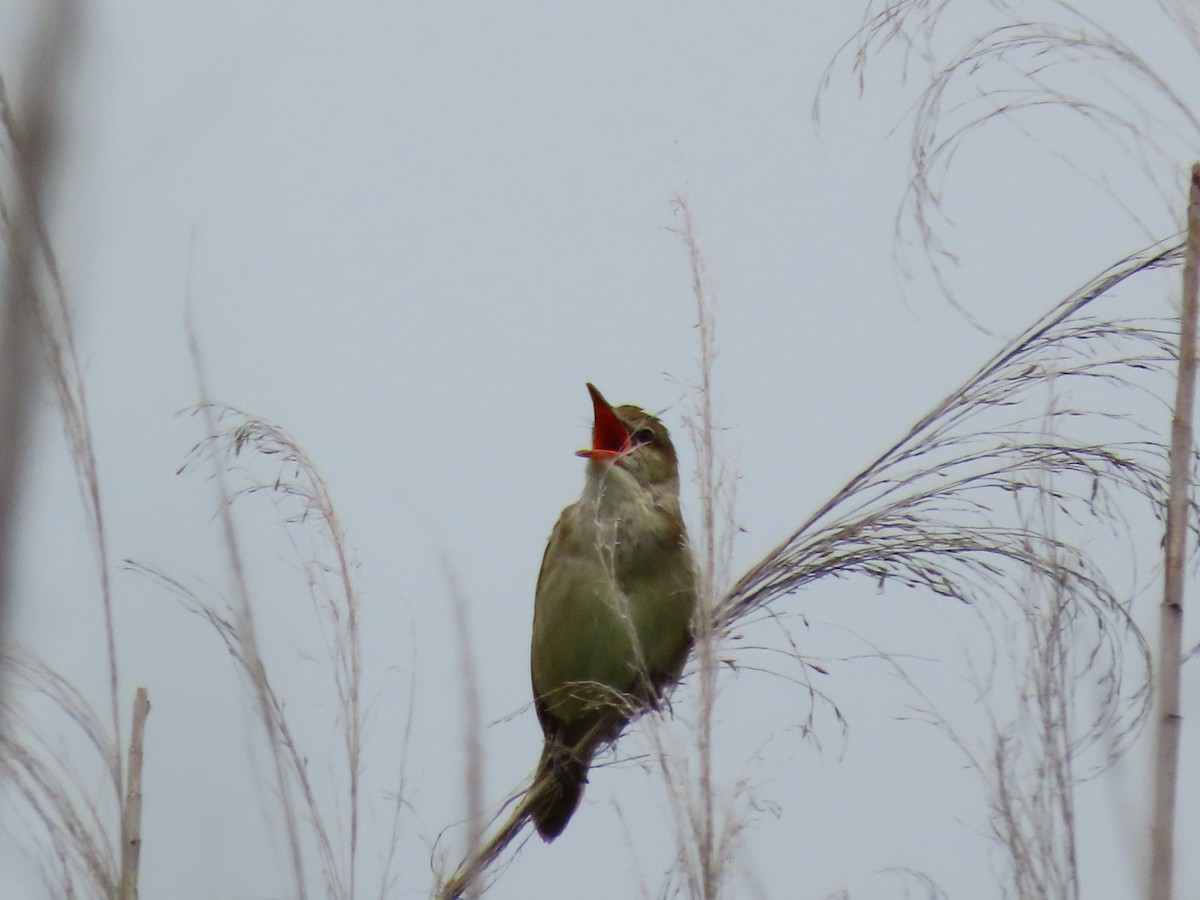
(634, 440)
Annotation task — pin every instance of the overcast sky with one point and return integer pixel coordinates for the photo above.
(410, 233)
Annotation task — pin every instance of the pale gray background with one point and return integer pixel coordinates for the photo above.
(414, 231)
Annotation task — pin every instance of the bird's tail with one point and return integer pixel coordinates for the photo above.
(557, 788)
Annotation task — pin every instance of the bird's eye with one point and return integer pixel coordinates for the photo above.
(643, 436)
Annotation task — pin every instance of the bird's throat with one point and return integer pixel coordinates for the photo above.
(627, 515)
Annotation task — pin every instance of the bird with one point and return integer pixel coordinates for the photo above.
(613, 607)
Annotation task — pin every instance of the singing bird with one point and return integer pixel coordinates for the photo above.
(612, 619)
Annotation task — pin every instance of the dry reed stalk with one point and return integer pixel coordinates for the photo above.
(33, 143)
(131, 815)
(239, 633)
(705, 845)
(335, 596)
(57, 795)
(1032, 60)
(928, 513)
(1170, 647)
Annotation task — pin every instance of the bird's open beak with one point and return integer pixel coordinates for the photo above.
(609, 437)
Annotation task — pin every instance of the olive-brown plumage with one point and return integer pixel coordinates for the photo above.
(613, 606)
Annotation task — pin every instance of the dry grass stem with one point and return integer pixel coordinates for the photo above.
(470, 872)
(387, 879)
(300, 491)
(472, 731)
(1028, 757)
(704, 843)
(966, 505)
(56, 331)
(55, 789)
(81, 853)
(1033, 59)
(238, 631)
(939, 510)
(131, 815)
(1056, 56)
(31, 132)
(1179, 501)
